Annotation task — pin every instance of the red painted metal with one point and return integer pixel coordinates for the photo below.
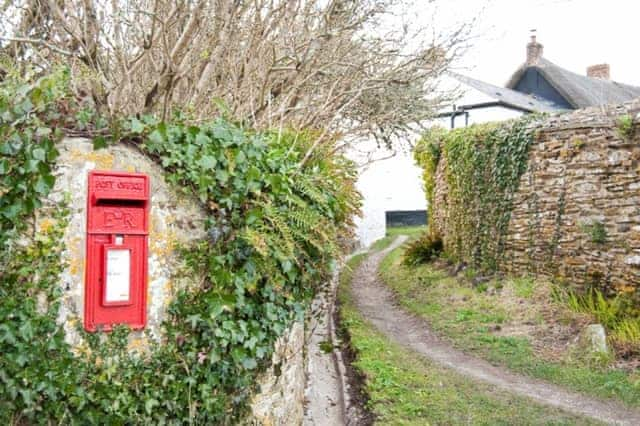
(117, 219)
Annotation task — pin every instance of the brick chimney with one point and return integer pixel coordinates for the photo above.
(601, 71)
(534, 50)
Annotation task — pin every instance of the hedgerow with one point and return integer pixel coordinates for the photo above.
(484, 164)
(274, 228)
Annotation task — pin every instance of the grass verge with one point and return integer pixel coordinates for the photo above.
(510, 322)
(393, 232)
(405, 389)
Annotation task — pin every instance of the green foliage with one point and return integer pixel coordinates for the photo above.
(36, 373)
(626, 336)
(29, 111)
(619, 315)
(427, 155)
(596, 231)
(605, 311)
(274, 229)
(422, 250)
(484, 164)
(524, 287)
(626, 128)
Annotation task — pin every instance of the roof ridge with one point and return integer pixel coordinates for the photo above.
(577, 89)
(601, 80)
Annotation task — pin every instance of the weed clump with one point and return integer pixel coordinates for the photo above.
(596, 231)
(616, 314)
(625, 127)
(422, 250)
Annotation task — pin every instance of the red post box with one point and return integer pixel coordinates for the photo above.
(117, 232)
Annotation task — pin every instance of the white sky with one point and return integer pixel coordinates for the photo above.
(575, 34)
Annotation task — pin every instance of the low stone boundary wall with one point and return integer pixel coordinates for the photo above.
(174, 219)
(576, 213)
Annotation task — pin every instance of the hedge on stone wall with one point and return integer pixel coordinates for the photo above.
(275, 227)
(483, 168)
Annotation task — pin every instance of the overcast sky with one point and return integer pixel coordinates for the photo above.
(575, 34)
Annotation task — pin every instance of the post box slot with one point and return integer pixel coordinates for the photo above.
(120, 202)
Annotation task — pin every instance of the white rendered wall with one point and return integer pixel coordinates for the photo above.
(482, 115)
(470, 96)
(396, 183)
(387, 184)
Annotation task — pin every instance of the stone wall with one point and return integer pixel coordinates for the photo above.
(281, 397)
(576, 213)
(174, 219)
(438, 218)
(583, 177)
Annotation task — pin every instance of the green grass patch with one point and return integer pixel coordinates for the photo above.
(524, 287)
(411, 231)
(393, 232)
(406, 389)
(469, 319)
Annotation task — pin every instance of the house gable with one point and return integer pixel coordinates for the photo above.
(532, 82)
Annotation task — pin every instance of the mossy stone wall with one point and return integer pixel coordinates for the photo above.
(175, 220)
(576, 213)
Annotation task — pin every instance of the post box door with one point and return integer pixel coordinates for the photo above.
(116, 268)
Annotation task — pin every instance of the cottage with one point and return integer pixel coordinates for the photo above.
(392, 187)
(538, 85)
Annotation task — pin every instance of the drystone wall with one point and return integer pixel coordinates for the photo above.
(576, 214)
(174, 220)
(281, 397)
(438, 219)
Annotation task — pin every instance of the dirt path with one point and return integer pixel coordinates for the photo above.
(376, 302)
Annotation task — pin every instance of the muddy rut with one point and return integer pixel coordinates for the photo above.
(377, 304)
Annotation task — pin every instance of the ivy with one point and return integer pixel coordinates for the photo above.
(427, 155)
(29, 111)
(484, 166)
(273, 231)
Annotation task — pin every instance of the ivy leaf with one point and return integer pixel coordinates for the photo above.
(43, 131)
(4, 166)
(149, 404)
(249, 363)
(193, 320)
(156, 137)
(21, 360)
(241, 158)
(202, 139)
(286, 266)
(44, 184)
(12, 211)
(137, 126)
(99, 142)
(208, 162)
(39, 154)
(222, 175)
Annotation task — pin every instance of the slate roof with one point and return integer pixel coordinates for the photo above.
(509, 97)
(579, 90)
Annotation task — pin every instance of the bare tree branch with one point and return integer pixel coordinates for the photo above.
(356, 68)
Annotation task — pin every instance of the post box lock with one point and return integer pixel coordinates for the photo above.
(117, 244)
